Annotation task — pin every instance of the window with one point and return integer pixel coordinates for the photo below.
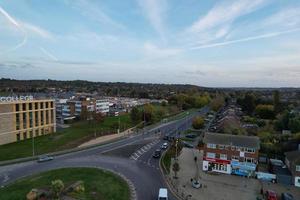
(24, 106)
(36, 118)
(17, 107)
(232, 148)
(24, 121)
(36, 105)
(235, 158)
(42, 105)
(250, 150)
(18, 137)
(51, 105)
(24, 135)
(30, 106)
(223, 156)
(221, 146)
(42, 118)
(210, 155)
(47, 116)
(249, 160)
(47, 105)
(298, 168)
(211, 146)
(30, 120)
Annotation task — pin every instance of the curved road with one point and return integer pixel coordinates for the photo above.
(131, 157)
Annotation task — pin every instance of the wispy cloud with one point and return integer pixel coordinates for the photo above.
(154, 10)
(257, 37)
(26, 29)
(153, 51)
(225, 13)
(94, 12)
(50, 55)
(18, 26)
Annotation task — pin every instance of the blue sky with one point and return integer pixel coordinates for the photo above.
(240, 43)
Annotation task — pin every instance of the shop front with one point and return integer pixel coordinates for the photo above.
(216, 165)
(243, 168)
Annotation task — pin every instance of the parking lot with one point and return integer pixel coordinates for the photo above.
(220, 186)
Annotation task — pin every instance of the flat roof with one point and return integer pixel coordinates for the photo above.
(233, 140)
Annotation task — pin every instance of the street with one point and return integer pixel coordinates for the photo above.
(131, 157)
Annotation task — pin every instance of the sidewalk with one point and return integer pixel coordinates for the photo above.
(106, 138)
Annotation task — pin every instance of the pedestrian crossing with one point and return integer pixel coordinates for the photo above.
(138, 153)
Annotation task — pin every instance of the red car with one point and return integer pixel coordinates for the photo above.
(271, 195)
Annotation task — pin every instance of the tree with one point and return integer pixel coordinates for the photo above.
(294, 125)
(135, 114)
(164, 103)
(148, 113)
(248, 103)
(276, 101)
(265, 111)
(176, 169)
(217, 103)
(57, 187)
(198, 123)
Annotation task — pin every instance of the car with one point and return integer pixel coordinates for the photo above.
(157, 153)
(287, 196)
(188, 145)
(191, 136)
(163, 194)
(271, 195)
(45, 158)
(164, 145)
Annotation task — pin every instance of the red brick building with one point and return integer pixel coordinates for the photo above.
(230, 154)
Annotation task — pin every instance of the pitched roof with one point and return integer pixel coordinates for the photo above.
(293, 156)
(234, 140)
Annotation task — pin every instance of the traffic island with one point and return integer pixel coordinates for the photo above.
(70, 183)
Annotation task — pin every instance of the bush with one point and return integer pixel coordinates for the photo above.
(198, 123)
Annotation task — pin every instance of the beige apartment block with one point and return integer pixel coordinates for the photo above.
(21, 120)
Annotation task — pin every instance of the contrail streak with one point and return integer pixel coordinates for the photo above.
(268, 35)
(47, 53)
(17, 25)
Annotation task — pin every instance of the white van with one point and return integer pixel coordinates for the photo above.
(163, 194)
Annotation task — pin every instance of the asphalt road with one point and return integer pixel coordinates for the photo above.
(132, 157)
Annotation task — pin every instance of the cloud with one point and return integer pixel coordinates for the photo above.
(26, 29)
(257, 37)
(225, 13)
(47, 53)
(19, 65)
(153, 51)
(18, 26)
(154, 11)
(94, 12)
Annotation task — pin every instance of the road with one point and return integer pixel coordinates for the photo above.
(132, 157)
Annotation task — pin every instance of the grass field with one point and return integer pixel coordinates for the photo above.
(67, 138)
(99, 184)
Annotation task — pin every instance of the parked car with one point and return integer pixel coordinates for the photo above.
(164, 145)
(45, 158)
(163, 194)
(188, 145)
(271, 195)
(287, 196)
(191, 136)
(157, 153)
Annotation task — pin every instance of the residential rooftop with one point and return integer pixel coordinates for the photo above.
(232, 140)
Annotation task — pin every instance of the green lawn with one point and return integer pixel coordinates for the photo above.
(68, 138)
(99, 184)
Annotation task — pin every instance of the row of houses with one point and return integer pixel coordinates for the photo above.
(239, 155)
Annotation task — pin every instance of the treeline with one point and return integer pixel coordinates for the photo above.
(134, 90)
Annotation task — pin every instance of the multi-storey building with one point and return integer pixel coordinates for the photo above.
(74, 108)
(230, 154)
(292, 160)
(23, 117)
